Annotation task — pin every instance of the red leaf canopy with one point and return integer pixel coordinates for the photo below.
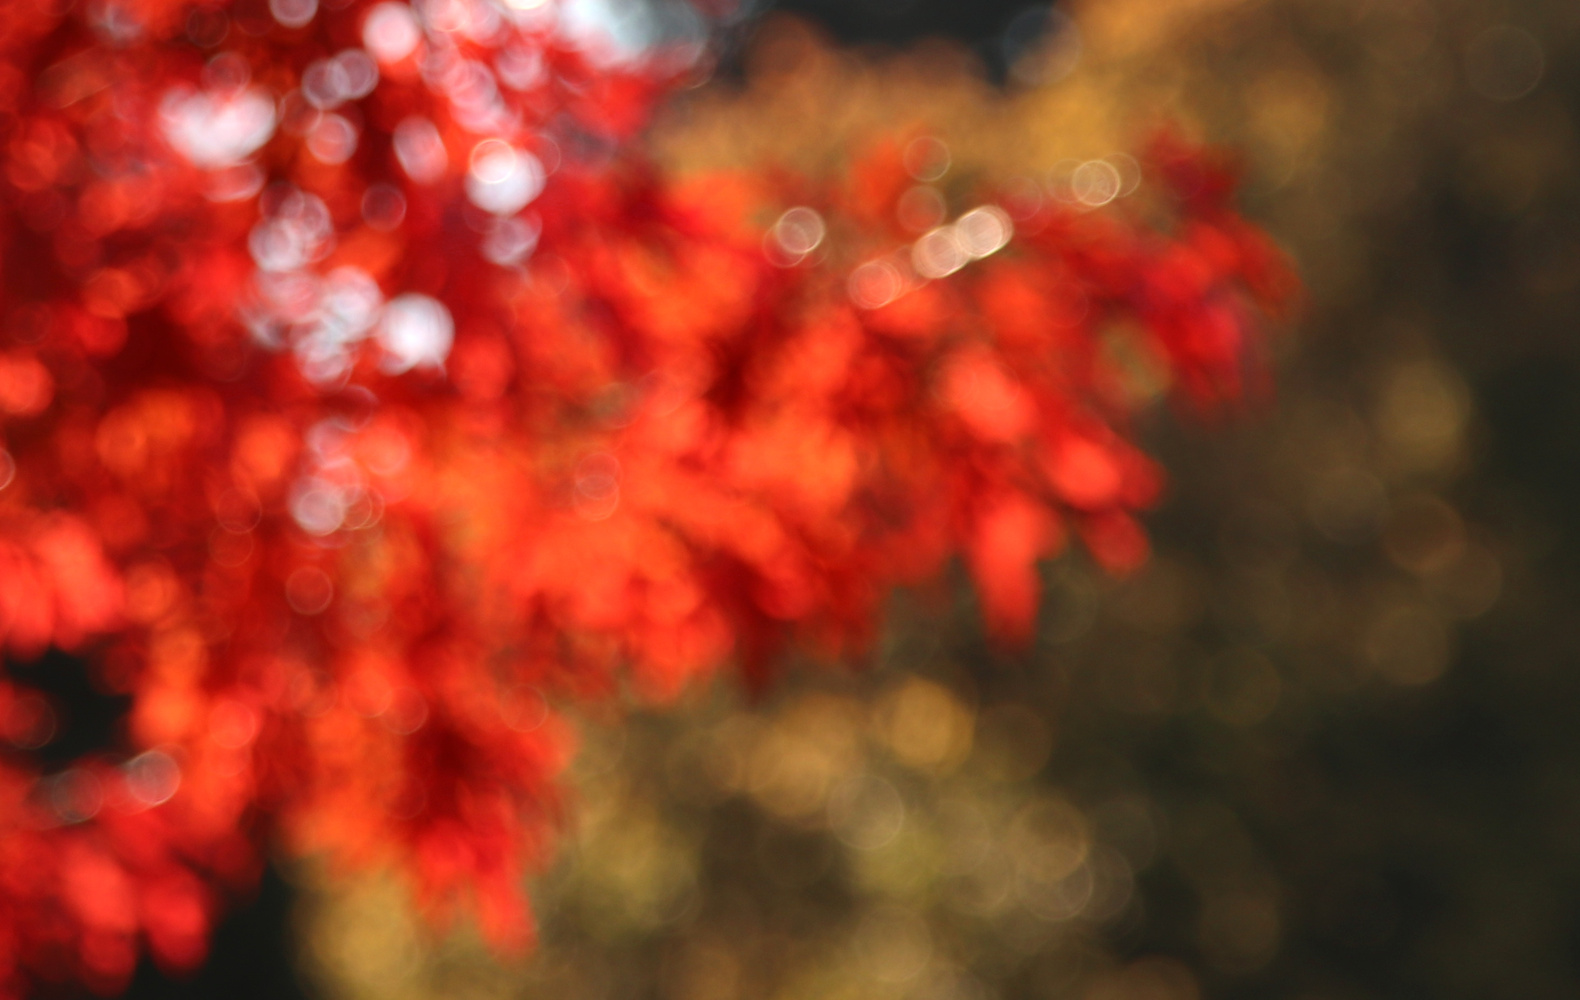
(365, 392)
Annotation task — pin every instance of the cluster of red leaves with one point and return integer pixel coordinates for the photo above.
(351, 420)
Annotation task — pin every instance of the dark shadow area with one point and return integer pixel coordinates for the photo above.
(998, 31)
(86, 718)
(251, 957)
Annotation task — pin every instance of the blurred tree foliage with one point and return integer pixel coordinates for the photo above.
(1322, 748)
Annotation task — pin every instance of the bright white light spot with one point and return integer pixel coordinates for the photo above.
(7, 469)
(983, 231)
(938, 253)
(349, 76)
(473, 93)
(483, 23)
(322, 84)
(152, 778)
(608, 31)
(520, 67)
(448, 16)
(416, 330)
(420, 150)
(318, 506)
(488, 118)
(359, 74)
(799, 231)
(383, 207)
(275, 247)
(469, 84)
(299, 232)
(537, 16)
(215, 131)
(876, 284)
(510, 241)
(293, 13)
(116, 21)
(322, 357)
(503, 179)
(291, 295)
(391, 32)
(332, 140)
(266, 328)
(327, 440)
(351, 302)
(1095, 183)
(493, 161)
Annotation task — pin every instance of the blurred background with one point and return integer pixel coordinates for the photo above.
(1326, 746)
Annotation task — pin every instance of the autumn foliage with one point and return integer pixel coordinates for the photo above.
(366, 394)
